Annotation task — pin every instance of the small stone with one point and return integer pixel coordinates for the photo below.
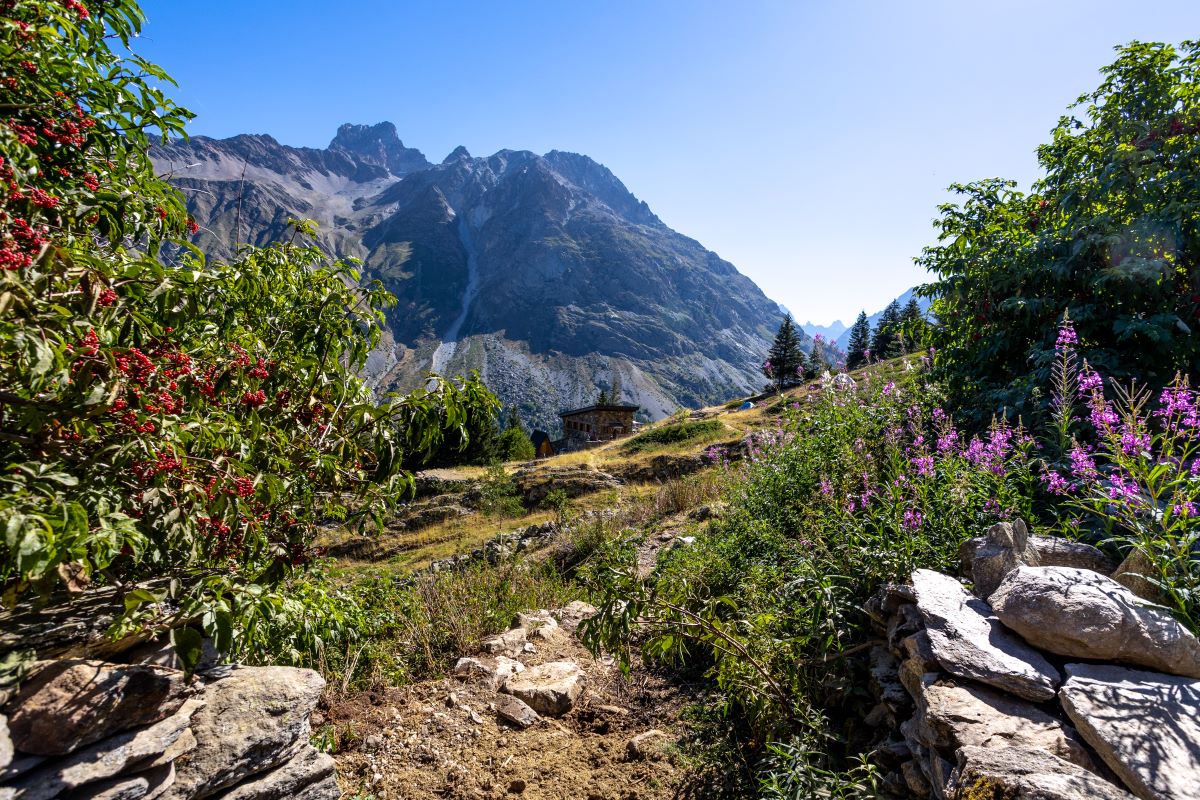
(549, 689)
(73, 703)
(1145, 725)
(646, 745)
(515, 711)
(1082, 614)
(968, 640)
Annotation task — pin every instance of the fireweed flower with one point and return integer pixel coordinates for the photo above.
(1186, 509)
(924, 465)
(1066, 336)
(889, 389)
(1055, 483)
(826, 487)
(1089, 382)
(1083, 466)
(1134, 443)
(913, 519)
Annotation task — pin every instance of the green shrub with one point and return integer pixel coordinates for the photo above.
(673, 434)
(499, 495)
(177, 428)
(515, 445)
(1110, 234)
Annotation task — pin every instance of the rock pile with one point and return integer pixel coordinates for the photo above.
(998, 694)
(526, 694)
(87, 728)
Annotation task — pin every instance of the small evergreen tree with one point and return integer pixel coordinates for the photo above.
(515, 445)
(614, 392)
(912, 325)
(602, 398)
(885, 343)
(860, 342)
(785, 360)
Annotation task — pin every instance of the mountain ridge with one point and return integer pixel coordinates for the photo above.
(542, 272)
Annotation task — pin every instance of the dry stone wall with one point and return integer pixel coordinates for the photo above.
(1052, 681)
(85, 728)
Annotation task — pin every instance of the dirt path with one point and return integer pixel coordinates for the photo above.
(445, 739)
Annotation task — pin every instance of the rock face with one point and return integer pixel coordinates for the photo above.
(1145, 725)
(1025, 773)
(549, 689)
(253, 720)
(1082, 614)
(76, 702)
(541, 271)
(969, 642)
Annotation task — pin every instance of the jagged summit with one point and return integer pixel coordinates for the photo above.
(457, 154)
(378, 145)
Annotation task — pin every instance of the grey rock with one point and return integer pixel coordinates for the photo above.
(73, 703)
(307, 768)
(1025, 773)
(1133, 573)
(918, 648)
(510, 643)
(490, 671)
(1054, 551)
(255, 720)
(549, 689)
(1083, 614)
(1144, 725)
(951, 716)
(884, 680)
(515, 711)
(1004, 548)
(113, 756)
(573, 613)
(915, 779)
(968, 640)
(143, 785)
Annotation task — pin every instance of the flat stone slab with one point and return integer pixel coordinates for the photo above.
(1145, 725)
(1082, 614)
(549, 689)
(953, 716)
(511, 643)
(1024, 773)
(515, 711)
(968, 640)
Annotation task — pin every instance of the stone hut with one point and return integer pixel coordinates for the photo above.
(597, 423)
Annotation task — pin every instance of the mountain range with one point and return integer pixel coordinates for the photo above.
(542, 272)
(839, 334)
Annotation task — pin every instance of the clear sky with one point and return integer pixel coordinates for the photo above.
(809, 143)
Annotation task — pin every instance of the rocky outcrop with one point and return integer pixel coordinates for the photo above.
(92, 729)
(535, 483)
(1082, 614)
(1109, 732)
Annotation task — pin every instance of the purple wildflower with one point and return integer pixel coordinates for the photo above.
(889, 389)
(924, 465)
(1083, 465)
(1066, 336)
(913, 519)
(1055, 483)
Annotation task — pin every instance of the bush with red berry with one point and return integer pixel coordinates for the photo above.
(172, 428)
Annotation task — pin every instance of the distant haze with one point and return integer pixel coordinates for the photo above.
(807, 143)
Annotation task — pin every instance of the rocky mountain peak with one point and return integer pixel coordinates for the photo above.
(458, 154)
(378, 145)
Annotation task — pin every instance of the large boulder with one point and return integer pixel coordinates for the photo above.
(950, 716)
(71, 704)
(1083, 614)
(968, 640)
(549, 689)
(256, 718)
(1145, 725)
(1025, 773)
(128, 750)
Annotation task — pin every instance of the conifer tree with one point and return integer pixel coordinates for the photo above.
(614, 393)
(860, 342)
(886, 343)
(785, 358)
(912, 324)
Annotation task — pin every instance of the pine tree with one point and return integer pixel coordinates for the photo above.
(614, 393)
(912, 324)
(818, 359)
(785, 359)
(886, 342)
(860, 342)
(513, 420)
(602, 400)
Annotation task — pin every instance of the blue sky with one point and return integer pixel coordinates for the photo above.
(809, 143)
